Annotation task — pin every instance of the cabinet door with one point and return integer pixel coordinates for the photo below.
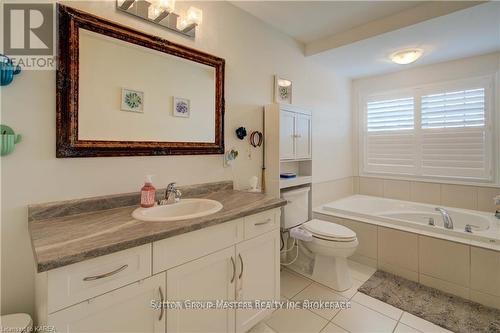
(258, 276)
(127, 309)
(210, 278)
(287, 135)
(302, 136)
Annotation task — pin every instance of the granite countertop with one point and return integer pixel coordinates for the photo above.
(63, 240)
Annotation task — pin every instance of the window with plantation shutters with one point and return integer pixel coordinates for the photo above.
(441, 131)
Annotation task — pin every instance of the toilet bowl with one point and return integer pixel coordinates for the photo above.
(331, 245)
(327, 244)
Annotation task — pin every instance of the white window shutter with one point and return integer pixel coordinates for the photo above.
(454, 135)
(389, 136)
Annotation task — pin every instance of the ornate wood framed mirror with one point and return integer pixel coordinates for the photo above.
(122, 92)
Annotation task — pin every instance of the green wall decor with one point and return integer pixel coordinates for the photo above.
(8, 140)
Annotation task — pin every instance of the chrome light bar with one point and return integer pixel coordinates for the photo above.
(147, 10)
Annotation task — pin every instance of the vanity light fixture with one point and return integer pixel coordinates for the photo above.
(406, 57)
(161, 12)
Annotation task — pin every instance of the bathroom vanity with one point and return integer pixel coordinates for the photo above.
(103, 270)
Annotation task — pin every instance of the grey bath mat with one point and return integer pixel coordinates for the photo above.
(451, 312)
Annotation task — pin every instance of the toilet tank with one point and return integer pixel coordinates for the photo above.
(296, 210)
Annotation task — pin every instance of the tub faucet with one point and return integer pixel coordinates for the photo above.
(448, 221)
(172, 195)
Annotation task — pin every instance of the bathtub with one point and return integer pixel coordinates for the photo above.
(483, 228)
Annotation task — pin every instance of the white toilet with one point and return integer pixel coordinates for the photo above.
(16, 322)
(331, 243)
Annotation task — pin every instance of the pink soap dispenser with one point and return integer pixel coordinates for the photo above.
(148, 193)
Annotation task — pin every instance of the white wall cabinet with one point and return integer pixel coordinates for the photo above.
(295, 135)
(127, 309)
(245, 266)
(302, 136)
(287, 135)
(288, 147)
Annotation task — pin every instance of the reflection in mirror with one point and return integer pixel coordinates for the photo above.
(131, 93)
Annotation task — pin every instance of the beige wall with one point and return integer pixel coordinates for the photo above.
(253, 53)
(455, 195)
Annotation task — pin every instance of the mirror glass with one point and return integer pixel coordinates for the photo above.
(129, 92)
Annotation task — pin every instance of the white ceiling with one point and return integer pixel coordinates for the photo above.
(469, 32)
(308, 21)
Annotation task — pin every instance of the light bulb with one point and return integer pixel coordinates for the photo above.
(405, 57)
(167, 5)
(182, 23)
(194, 16)
(154, 11)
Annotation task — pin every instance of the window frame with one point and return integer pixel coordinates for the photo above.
(492, 128)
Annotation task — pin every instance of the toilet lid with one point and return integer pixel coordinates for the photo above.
(329, 230)
(19, 322)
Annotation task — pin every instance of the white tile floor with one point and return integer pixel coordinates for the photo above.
(366, 314)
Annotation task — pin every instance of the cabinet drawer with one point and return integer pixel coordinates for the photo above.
(180, 249)
(260, 223)
(126, 309)
(81, 281)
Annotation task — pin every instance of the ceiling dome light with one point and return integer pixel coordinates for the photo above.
(406, 57)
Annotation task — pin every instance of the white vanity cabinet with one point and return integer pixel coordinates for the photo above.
(209, 278)
(127, 309)
(295, 135)
(246, 271)
(258, 277)
(231, 261)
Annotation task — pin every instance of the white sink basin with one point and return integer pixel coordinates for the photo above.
(182, 210)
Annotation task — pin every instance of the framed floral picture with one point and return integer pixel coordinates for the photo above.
(282, 90)
(182, 107)
(132, 100)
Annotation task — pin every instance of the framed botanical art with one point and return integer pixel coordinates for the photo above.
(182, 107)
(132, 100)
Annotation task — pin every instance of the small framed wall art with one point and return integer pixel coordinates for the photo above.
(182, 107)
(282, 90)
(132, 100)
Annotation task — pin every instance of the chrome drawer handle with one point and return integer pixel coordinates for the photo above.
(241, 260)
(161, 300)
(234, 269)
(97, 277)
(265, 222)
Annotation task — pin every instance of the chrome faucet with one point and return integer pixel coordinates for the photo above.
(448, 221)
(172, 195)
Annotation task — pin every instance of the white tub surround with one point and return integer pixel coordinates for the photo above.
(418, 217)
(393, 238)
